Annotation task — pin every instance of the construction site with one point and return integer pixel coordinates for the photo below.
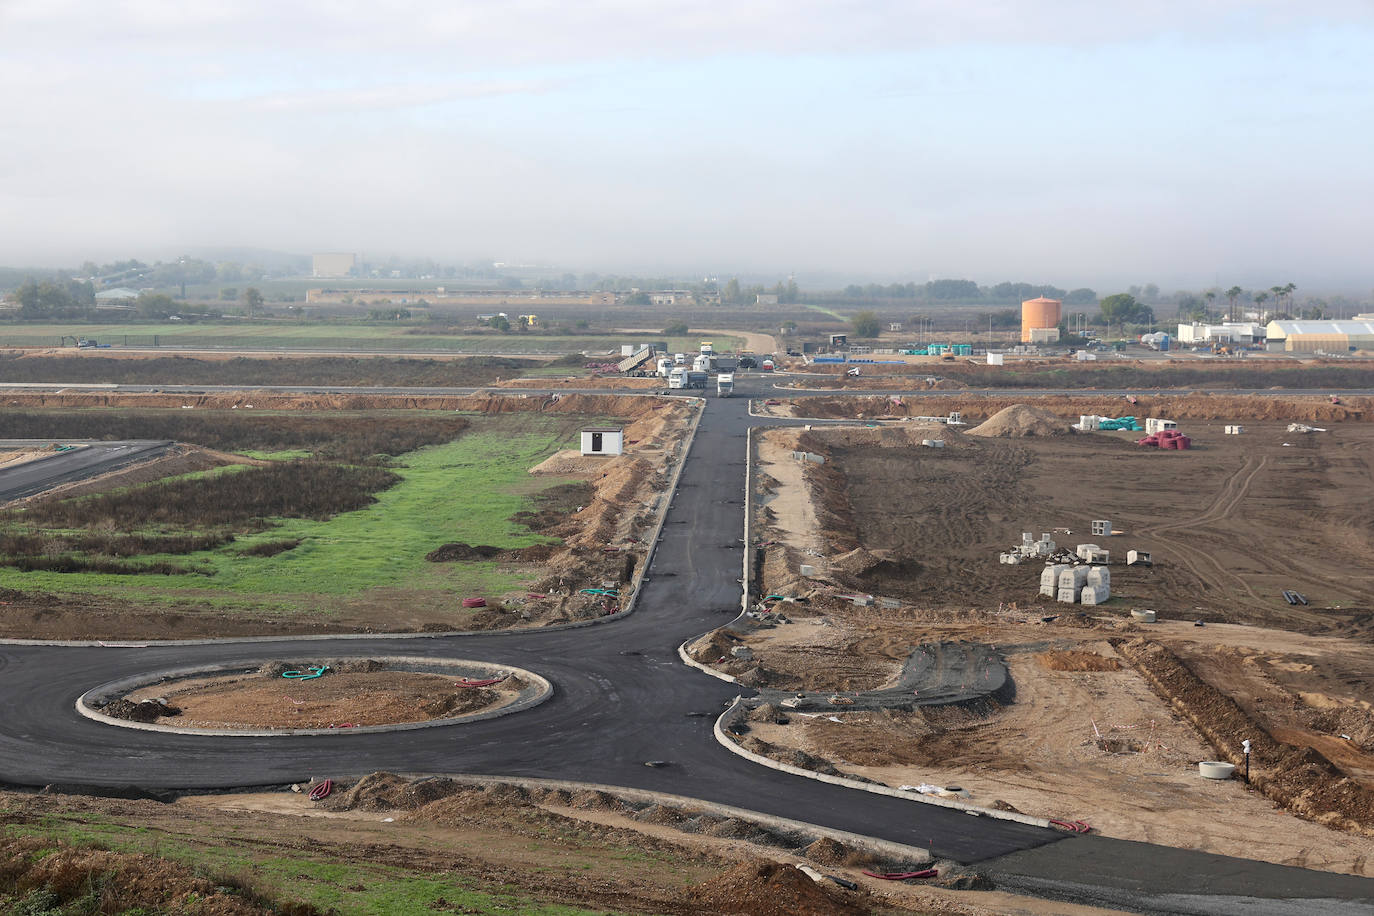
(1229, 603)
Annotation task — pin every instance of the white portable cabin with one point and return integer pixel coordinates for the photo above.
(603, 440)
(1156, 425)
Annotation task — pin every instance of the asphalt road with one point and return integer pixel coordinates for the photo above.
(621, 698)
(65, 467)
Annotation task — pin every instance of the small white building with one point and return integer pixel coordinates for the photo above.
(603, 440)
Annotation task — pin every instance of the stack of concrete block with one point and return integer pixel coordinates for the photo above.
(1049, 579)
(1095, 594)
(1071, 582)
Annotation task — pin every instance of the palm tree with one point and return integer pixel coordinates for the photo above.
(1260, 299)
(1210, 296)
(1288, 291)
(1232, 295)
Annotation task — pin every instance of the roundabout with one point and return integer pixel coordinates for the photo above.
(346, 696)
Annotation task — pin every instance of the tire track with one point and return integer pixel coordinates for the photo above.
(1223, 506)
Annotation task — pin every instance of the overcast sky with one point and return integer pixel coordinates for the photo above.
(1069, 142)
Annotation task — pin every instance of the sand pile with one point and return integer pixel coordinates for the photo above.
(775, 889)
(1019, 420)
(572, 463)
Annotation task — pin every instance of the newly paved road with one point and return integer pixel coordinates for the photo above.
(85, 461)
(622, 698)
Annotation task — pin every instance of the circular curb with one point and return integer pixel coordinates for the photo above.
(86, 704)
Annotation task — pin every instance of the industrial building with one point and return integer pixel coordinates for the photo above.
(1319, 336)
(1040, 320)
(1243, 333)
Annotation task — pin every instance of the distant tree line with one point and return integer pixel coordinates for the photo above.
(951, 292)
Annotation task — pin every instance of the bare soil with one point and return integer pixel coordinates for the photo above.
(1254, 372)
(1089, 736)
(1230, 524)
(354, 698)
(1227, 408)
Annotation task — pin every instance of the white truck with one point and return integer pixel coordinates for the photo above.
(725, 384)
(677, 378)
(665, 364)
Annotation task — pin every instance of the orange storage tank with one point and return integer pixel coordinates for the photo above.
(1038, 313)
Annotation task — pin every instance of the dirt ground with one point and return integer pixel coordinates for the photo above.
(1230, 524)
(1088, 737)
(1222, 407)
(345, 698)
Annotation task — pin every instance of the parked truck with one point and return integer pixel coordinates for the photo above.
(677, 377)
(697, 379)
(725, 384)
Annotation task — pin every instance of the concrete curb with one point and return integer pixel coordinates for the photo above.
(748, 579)
(707, 669)
(87, 702)
(899, 851)
(326, 637)
(737, 708)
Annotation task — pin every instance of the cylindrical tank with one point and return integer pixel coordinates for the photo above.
(1038, 313)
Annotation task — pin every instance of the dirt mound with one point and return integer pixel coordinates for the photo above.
(764, 888)
(447, 553)
(595, 800)
(1077, 660)
(826, 851)
(146, 711)
(81, 879)
(571, 463)
(377, 792)
(1020, 420)
(856, 562)
(713, 647)
(661, 815)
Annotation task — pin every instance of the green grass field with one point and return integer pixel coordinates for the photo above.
(465, 490)
(331, 336)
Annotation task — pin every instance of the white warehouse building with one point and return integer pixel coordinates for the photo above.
(1323, 336)
(1238, 332)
